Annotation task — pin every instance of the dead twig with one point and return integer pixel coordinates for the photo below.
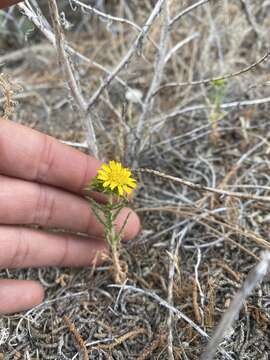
(157, 121)
(229, 270)
(148, 350)
(125, 60)
(72, 83)
(8, 88)
(196, 307)
(30, 13)
(204, 188)
(119, 340)
(218, 78)
(77, 336)
(187, 10)
(142, 128)
(105, 16)
(254, 277)
(207, 215)
(165, 304)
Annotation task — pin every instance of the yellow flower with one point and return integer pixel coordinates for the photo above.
(116, 178)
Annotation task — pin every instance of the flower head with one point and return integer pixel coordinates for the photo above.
(115, 178)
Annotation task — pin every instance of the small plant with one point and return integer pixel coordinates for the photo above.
(8, 89)
(117, 183)
(216, 113)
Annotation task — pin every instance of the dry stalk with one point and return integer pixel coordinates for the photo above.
(119, 268)
(174, 250)
(205, 188)
(174, 310)
(106, 17)
(126, 59)
(17, 356)
(8, 91)
(142, 128)
(210, 307)
(200, 107)
(119, 340)
(217, 78)
(195, 302)
(229, 270)
(163, 303)
(72, 83)
(207, 216)
(228, 177)
(253, 279)
(250, 18)
(29, 12)
(170, 295)
(186, 11)
(148, 350)
(77, 336)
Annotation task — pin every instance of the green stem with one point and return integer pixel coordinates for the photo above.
(111, 230)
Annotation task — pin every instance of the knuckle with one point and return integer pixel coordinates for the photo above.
(85, 175)
(46, 161)
(21, 250)
(65, 254)
(44, 208)
(90, 225)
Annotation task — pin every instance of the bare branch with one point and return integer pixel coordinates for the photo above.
(177, 47)
(158, 73)
(187, 10)
(158, 121)
(137, 44)
(253, 279)
(205, 188)
(72, 83)
(222, 77)
(51, 38)
(173, 309)
(105, 16)
(174, 249)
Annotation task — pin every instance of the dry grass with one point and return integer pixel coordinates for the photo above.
(196, 247)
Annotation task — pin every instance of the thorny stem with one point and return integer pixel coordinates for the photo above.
(118, 274)
(113, 239)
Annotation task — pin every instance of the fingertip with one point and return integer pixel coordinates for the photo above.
(35, 294)
(19, 295)
(133, 225)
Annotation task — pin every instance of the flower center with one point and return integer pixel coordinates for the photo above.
(117, 176)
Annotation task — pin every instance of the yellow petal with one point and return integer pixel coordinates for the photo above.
(118, 166)
(106, 168)
(132, 183)
(102, 176)
(120, 190)
(112, 164)
(127, 189)
(113, 185)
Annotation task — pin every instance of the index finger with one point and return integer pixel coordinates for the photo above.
(30, 155)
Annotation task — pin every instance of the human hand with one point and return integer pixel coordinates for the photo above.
(6, 3)
(42, 182)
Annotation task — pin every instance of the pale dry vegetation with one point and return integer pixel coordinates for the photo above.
(136, 85)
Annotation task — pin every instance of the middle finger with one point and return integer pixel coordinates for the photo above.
(23, 202)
